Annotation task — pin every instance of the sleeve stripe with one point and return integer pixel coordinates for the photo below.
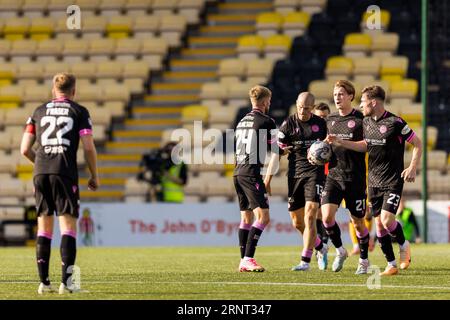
(30, 128)
(413, 134)
(84, 132)
(282, 145)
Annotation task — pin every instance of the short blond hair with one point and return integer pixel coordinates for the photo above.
(347, 85)
(259, 93)
(64, 82)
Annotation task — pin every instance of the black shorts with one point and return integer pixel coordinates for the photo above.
(354, 194)
(385, 198)
(55, 193)
(304, 189)
(251, 192)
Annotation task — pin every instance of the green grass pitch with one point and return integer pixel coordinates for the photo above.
(211, 274)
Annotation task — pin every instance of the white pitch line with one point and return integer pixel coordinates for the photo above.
(298, 284)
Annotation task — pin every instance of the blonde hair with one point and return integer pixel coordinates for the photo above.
(64, 82)
(374, 92)
(259, 93)
(347, 85)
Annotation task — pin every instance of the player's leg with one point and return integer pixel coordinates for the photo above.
(45, 210)
(395, 229)
(256, 194)
(369, 224)
(246, 220)
(356, 203)
(321, 232)
(352, 232)
(331, 198)
(68, 249)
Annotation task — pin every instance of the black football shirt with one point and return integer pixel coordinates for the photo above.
(301, 135)
(255, 136)
(58, 126)
(385, 139)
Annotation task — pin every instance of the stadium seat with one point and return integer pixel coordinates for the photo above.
(115, 93)
(296, 23)
(221, 115)
(432, 134)
(259, 70)
(406, 88)
(12, 188)
(136, 8)
(110, 8)
(16, 28)
(366, 66)
(49, 50)
(195, 113)
(84, 70)
(37, 94)
(136, 69)
(190, 9)
(397, 65)
(30, 70)
(339, 66)
(119, 27)
(277, 46)
(238, 93)
(146, 26)
(22, 50)
(286, 6)
(384, 44)
(412, 112)
(75, 50)
(51, 69)
(213, 93)
(41, 28)
(109, 69)
(171, 28)
(232, 68)
(127, 49)
(10, 96)
(312, 6)
(164, 7)
(10, 8)
(5, 46)
(357, 44)
(250, 46)
(89, 5)
(93, 27)
(57, 8)
(322, 89)
(152, 52)
(101, 49)
(268, 23)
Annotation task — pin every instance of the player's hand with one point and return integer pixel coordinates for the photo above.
(332, 139)
(409, 174)
(287, 150)
(93, 183)
(267, 184)
(310, 159)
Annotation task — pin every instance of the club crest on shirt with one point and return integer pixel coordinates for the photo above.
(351, 124)
(315, 128)
(383, 129)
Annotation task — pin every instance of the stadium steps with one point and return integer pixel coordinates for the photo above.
(178, 85)
(102, 195)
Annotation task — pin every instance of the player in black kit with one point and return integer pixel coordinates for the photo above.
(384, 138)
(57, 127)
(256, 134)
(346, 178)
(305, 180)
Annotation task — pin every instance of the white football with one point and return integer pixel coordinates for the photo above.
(320, 153)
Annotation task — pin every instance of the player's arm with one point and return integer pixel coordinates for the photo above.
(409, 174)
(358, 146)
(26, 146)
(90, 154)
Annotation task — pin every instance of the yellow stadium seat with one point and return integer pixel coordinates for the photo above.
(384, 44)
(41, 28)
(195, 113)
(368, 18)
(295, 23)
(357, 44)
(268, 23)
(119, 27)
(286, 6)
(277, 46)
(366, 66)
(16, 28)
(406, 88)
(250, 46)
(259, 68)
(339, 66)
(391, 78)
(11, 96)
(397, 65)
(8, 71)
